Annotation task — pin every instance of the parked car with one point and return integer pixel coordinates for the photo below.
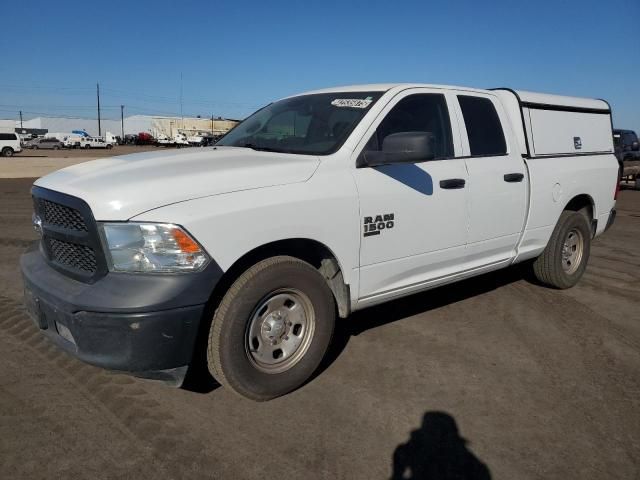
(144, 138)
(73, 141)
(314, 207)
(9, 144)
(92, 142)
(49, 143)
(130, 139)
(626, 145)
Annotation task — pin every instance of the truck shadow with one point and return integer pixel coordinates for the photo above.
(424, 302)
(437, 451)
(199, 380)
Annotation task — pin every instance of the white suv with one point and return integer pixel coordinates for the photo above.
(9, 144)
(90, 142)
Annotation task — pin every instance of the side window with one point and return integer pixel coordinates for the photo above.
(8, 136)
(629, 139)
(483, 126)
(425, 112)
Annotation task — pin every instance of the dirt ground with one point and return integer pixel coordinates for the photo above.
(495, 377)
(36, 163)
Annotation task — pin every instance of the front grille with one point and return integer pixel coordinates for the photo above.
(71, 255)
(70, 239)
(62, 216)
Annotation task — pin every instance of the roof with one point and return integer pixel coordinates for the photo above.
(383, 87)
(560, 100)
(525, 96)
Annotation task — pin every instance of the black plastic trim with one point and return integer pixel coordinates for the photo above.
(564, 108)
(560, 155)
(524, 127)
(130, 322)
(90, 238)
(118, 292)
(611, 219)
(452, 183)
(513, 177)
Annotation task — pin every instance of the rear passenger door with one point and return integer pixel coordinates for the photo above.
(497, 190)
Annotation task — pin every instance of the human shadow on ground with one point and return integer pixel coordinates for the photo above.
(437, 451)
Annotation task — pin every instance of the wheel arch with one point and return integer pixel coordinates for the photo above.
(584, 203)
(311, 251)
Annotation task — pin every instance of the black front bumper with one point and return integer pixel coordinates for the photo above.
(143, 324)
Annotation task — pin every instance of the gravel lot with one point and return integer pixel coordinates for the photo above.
(494, 377)
(36, 163)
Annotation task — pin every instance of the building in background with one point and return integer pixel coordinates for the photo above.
(133, 125)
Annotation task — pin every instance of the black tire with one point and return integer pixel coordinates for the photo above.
(109, 147)
(7, 152)
(56, 147)
(87, 146)
(228, 354)
(550, 267)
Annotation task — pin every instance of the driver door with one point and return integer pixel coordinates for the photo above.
(414, 216)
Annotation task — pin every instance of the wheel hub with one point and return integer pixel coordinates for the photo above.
(280, 331)
(572, 251)
(273, 327)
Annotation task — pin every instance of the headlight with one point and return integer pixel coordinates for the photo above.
(152, 248)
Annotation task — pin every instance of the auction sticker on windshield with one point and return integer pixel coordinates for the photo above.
(352, 102)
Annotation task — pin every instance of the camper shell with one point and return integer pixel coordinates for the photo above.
(554, 125)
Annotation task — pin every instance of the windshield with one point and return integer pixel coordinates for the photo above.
(316, 124)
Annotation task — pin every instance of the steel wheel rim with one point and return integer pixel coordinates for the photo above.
(572, 251)
(280, 331)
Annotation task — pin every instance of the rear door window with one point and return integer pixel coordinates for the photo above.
(484, 130)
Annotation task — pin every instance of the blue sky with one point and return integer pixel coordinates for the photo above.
(237, 56)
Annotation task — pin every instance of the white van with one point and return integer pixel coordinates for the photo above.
(9, 144)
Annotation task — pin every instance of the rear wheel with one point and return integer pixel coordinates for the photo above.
(87, 146)
(272, 329)
(7, 152)
(564, 260)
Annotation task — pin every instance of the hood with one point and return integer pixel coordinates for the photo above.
(119, 188)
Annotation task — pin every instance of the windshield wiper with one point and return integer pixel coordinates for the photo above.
(259, 149)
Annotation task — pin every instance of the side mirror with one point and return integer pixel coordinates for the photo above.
(401, 147)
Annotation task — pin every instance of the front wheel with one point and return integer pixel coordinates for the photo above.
(564, 260)
(272, 329)
(7, 152)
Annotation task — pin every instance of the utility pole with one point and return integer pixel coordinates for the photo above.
(98, 93)
(181, 114)
(122, 121)
(212, 124)
(21, 118)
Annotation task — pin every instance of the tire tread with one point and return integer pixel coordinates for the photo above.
(220, 317)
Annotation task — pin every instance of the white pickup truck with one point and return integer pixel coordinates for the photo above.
(315, 206)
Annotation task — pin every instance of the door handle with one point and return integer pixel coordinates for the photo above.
(513, 177)
(452, 183)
